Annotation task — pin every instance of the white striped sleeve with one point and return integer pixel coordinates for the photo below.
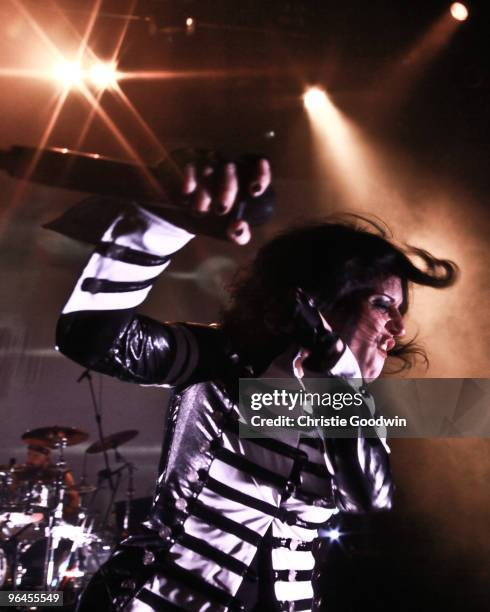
(134, 250)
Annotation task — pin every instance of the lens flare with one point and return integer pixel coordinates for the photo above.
(459, 11)
(103, 75)
(69, 74)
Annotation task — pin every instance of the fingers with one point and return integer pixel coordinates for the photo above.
(207, 189)
(214, 190)
(189, 184)
(202, 201)
(262, 179)
(239, 232)
(224, 190)
(301, 356)
(229, 190)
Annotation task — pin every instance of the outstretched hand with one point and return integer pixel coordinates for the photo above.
(236, 195)
(196, 189)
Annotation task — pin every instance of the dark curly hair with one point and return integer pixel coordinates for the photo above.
(336, 262)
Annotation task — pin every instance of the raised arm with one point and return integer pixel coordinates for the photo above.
(99, 326)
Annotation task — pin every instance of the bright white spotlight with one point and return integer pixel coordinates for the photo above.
(459, 11)
(103, 75)
(314, 99)
(190, 25)
(68, 73)
(333, 534)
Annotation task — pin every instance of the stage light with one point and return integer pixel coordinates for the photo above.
(459, 11)
(314, 99)
(103, 75)
(68, 73)
(190, 26)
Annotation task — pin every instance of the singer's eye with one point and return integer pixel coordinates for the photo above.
(381, 302)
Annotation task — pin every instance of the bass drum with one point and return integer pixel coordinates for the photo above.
(30, 569)
(31, 558)
(77, 555)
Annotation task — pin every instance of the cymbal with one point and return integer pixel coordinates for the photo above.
(112, 441)
(51, 436)
(19, 519)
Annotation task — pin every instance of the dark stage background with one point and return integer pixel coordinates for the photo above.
(412, 89)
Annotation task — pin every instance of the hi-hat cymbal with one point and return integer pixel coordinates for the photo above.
(55, 435)
(112, 441)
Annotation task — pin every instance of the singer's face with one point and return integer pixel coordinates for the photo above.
(380, 322)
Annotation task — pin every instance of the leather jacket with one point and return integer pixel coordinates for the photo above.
(135, 348)
(297, 485)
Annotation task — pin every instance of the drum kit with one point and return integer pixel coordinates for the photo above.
(48, 541)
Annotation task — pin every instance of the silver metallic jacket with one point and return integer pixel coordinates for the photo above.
(217, 494)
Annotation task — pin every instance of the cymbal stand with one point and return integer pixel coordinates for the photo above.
(98, 419)
(108, 475)
(129, 499)
(55, 516)
(117, 473)
(129, 492)
(83, 479)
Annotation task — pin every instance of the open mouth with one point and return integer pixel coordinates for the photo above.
(386, 344)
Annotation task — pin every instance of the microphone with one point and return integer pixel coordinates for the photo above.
(310, 333)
